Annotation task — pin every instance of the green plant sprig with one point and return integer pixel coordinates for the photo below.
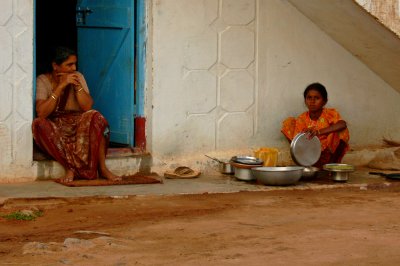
(20, 216)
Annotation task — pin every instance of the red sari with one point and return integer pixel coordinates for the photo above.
(72, 137)
(333, 145)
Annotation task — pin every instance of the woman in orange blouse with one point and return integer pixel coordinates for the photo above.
(325, 123)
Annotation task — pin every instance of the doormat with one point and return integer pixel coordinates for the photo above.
(135, 179)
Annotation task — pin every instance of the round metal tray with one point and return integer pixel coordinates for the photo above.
(339, 167)
(246, 160)
(305, 151)
(244, 166)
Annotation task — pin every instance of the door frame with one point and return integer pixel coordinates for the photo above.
(140, 75)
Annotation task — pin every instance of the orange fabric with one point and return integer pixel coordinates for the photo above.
(329, 142)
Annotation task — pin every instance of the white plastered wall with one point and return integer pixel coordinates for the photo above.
(16, 72)
(222, 75)
(226, 73)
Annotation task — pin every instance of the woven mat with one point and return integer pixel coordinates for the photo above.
(126, 180)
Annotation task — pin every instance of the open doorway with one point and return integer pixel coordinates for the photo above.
(107, 37)
(55, 26)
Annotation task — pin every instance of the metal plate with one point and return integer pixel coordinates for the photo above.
(305, 151)
(247, 160)
(339, 167)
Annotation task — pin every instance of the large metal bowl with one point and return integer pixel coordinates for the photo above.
(278, 176)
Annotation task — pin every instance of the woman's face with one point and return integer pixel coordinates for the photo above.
(314, 101)
(68, 66)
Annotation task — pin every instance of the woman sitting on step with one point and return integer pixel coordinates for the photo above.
(67, 127)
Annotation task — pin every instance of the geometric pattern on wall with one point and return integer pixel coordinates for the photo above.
(230, 41)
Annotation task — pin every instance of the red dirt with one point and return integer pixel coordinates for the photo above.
(326, 227)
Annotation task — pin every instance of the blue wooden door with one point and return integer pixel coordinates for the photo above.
(106, 36)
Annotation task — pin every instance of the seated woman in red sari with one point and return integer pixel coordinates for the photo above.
(325, 123)
(67, 127)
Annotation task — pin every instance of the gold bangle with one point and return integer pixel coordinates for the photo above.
(54, 96)
(79, 89)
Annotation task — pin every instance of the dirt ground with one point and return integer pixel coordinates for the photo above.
(348, 226)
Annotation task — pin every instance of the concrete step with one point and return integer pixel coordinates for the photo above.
(121, 161)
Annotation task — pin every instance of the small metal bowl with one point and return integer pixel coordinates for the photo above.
(243, 174)
(309, 171)
(226, 168)
(243, 171)
(340, 171)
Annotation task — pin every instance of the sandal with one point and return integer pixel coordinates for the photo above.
(182, 172)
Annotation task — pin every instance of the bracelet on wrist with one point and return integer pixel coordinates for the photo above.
(54, 96)
(81, 88)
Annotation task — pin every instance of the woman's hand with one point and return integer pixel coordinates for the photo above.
(85, 101)
(311, 132)
(68, 78)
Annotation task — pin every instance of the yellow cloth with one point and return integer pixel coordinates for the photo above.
(268, 155)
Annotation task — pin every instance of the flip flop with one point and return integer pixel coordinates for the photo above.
(182, 172)
(391, 175)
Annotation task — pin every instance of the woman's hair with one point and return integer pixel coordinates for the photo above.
(317, 87)
(56, 55)
(59, 54)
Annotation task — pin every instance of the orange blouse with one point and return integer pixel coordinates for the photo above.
(292, 126)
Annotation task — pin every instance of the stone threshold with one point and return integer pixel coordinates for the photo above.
(121, 161)
(111, 153)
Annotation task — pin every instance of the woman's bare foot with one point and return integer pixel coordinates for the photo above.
(108, 175)
(104, 172)
(69, 177)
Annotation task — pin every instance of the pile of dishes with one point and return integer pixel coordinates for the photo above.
(304, 151)
(242, 166)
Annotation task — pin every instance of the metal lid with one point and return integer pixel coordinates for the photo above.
(305, 151)
(339, 167)
(244, 166)
(247, 160)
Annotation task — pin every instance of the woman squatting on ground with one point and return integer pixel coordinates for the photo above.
(325, 123)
